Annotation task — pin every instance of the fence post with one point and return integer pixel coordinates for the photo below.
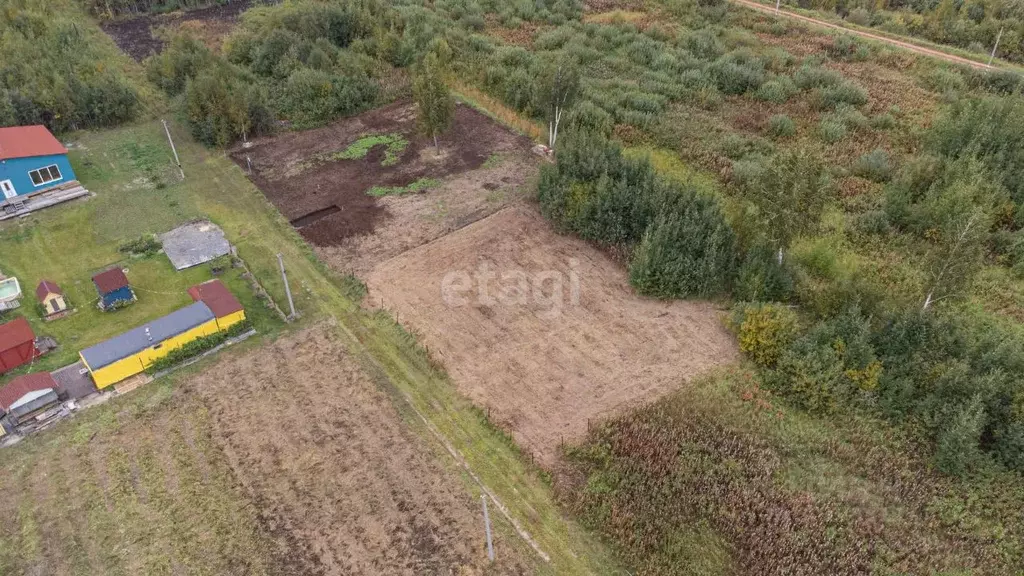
(175, 150)
(287, 289)
(487, 527)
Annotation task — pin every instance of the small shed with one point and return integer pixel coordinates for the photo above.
(113, 288)
(28, 395)
(17, 344)
(221, 301)
(52, 298)
(31, 161)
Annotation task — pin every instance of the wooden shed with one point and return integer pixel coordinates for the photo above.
(52, 298)
(26, 396)
(17, 344)
(113, 288)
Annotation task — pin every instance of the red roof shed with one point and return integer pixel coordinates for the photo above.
(216, 295)
(17, 344)
(17, 389)
(109, 281)
(28, 141)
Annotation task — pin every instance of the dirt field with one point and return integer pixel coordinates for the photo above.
(327, 198)
(544, 368)
(135, 36)
(334, 470)
(285, 460)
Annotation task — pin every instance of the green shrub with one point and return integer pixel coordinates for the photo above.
(777, 90)
(831, 366)
(958, 449)
(144, 246)
(874, 166)
(831, 130)
(686, 252)
(738, 72)
(180, 61)
(312, 97)
(764, 331)
(781, 126)
(883, 121)
(198, 346)
(846, 47)
(808, 77)
(831, 97)
(761, 278)
(859, 16)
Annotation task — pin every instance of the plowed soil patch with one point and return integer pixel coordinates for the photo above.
(336, 474)
(326, 197)
(543, 365)
(135, 36)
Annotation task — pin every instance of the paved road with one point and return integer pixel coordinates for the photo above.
(906, 45)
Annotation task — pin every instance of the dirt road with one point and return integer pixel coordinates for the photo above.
(906, 45)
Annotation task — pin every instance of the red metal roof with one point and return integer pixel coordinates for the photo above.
(107, 282)
(216, 295)
(15, 333)
(22, 385)
(45, 288)
(28, 141)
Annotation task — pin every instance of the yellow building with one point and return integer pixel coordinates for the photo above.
(132, 352)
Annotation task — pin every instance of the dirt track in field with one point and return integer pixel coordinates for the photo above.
(546, 370)
(327, 199)
(334, 471)
(905, 45)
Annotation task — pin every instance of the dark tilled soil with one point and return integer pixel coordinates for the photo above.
(135, 36)
(327, 200)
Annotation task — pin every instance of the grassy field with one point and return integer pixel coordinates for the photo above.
(690, 480)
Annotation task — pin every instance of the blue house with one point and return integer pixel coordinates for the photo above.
(31, 161)
(112, 286)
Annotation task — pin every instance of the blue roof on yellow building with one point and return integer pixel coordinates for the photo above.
(138, 339)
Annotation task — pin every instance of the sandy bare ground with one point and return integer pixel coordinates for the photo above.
(545, 366)
(415, 219)
(335, 473)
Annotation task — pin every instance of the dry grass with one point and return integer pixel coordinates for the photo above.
(499, 111)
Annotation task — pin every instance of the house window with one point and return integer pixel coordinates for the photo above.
(45, 175)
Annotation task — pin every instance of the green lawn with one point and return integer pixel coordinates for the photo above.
(137, 192)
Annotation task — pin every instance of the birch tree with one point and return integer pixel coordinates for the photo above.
(559, 89)
(958, 256)
(790, 194)
(436, 107)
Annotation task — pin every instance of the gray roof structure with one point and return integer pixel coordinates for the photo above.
(138, 339)
(195, 243)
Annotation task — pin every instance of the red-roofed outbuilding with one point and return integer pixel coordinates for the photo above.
(17, 344)
(222, 302)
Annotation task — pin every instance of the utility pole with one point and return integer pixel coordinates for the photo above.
(993, 56)
(777, 4)
(173, 149)
(287, 289)
(487, 525)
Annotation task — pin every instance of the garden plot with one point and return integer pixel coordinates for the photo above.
(136, 37)
(336, 474)
(543, 364)
(340, 183)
